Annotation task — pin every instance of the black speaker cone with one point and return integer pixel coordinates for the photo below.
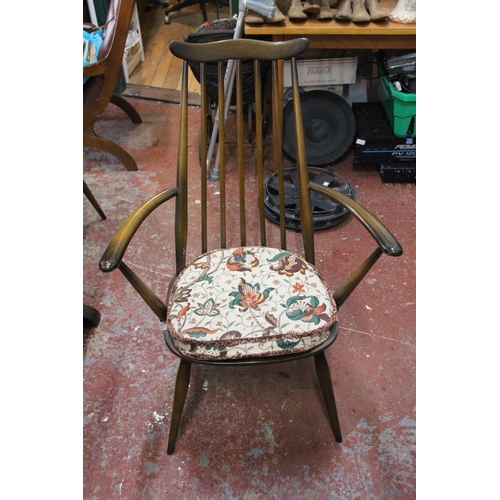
(329, 127)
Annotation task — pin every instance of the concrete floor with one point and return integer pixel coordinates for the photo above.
(246, 433)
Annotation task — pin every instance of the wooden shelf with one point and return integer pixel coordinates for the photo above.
(335, 34)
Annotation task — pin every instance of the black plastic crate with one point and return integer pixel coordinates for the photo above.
(375, 142)
(399, 173)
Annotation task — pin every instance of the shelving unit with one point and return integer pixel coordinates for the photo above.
(131, 62)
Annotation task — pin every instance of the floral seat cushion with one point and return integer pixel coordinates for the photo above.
(249, 302)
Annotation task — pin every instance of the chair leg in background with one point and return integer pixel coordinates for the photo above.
(186, 3)
(91, 317)
(181, 388)
(92, 140)
(325, 382)
(90, 197)
(125, 106)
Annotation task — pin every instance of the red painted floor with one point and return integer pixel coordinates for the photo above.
(247, 433)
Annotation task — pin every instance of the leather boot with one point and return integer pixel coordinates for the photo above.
(311, 7)
(325, 10)
(344, 12)
(252, 17)
(295, 12)
(359, 12)
(278, 17)
(376, 13)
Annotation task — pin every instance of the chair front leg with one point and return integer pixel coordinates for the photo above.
(181, 388)
(93, 201)
(325, 382)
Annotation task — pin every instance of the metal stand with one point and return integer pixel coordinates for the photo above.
(229, 81)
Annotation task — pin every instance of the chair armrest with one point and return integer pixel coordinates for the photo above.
(116, 248)
(94, 69)
(384, 238)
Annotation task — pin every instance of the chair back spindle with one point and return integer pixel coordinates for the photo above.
(243, 168)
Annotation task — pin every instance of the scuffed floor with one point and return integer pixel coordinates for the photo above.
(246, 433)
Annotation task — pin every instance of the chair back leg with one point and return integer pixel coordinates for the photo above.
(125, 106)
(92, 140)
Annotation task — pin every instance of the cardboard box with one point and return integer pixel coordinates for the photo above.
(317, 72)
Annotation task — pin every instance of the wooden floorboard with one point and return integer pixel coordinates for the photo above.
(159, 75)
(158, 94)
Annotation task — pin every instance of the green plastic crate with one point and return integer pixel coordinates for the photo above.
(400, 108)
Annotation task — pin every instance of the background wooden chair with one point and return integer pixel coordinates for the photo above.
(99, 89)
(88, 193)
(177, 5)
(91, 316)
(248, 299)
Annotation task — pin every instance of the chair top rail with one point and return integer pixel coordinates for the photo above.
(238, 49)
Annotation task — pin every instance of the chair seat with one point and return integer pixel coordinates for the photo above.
(249, 302)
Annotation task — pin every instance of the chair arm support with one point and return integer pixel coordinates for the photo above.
(116, 248)
(384, 238)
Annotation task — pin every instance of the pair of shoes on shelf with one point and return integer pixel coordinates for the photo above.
(360, 11)
(296, 12)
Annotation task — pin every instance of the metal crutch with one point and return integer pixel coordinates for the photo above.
(266, 8)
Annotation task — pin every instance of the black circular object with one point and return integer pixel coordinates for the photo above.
(329, 127)
(326, 213)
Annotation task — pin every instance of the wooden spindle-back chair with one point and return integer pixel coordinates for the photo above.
(248, 299)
